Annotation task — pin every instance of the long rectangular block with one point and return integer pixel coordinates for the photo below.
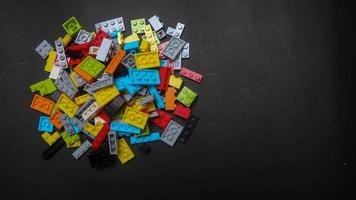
(147, 60)
(123, 127)
(143, 139)
(191, 74)
(81, 150)
(144, 77)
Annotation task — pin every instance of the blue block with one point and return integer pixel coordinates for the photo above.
(45, 125)
(132, 89)
(144, 77)
(147, 138)
(114, 34)
(131, 46)
(158, 99)
(76, 128)
(119, 83)
(163, 63)
(123, 127)
(122, 134)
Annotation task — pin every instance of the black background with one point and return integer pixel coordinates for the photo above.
(276, 103)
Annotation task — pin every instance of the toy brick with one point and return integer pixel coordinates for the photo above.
(100, 35)
(123, 127)
(145, 46)
(102, 83)
(173, 48)
(83, 74)
(50, 138)
(124, 83)
(132, 47)
(50, 61)
(114, 106)
(129, 61)
(143, 139)
(67, 124)
(99, 139)
(44, 87)
(171, 133)
(105, 95)
(178, 62)
(54, 74)
(170, 98)
(83, 37)
(55, 95)
(84, 107)
(148, 105)
(90, 111)
(67, 105)
(69, 139)
(161, 34)
(115, 61)
(146, 100)
(43, 49)
(124, 152)
(81, 150)
(93, 129)
(163, 119)
(82, 99)
(77, 122)
(135, 117)
(72, 26)
(170, 31)
(150, 38)
(64, 88)
(138, 25)
(155, 23)
(112, 143)
(132, 38)
(158, 99)
(77, 80)
(144, 77)
(142, 91)
(104, 50)
(91, 66)
(185, 51)
(61, 56)
(76, 129)
(186, 96)
(51, 150)
(191, 75)
(104, 117)
(179, 30)
(161, 48)
(175, 81)
(164, 74)
(188, 129)
(66, 40)
(42, 104)
(45, 125)
(112, 25)
(55, 119)
(182, 111)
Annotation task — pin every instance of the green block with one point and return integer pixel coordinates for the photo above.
(69, 139)
(44, 87)
(49, 85)
(186, 96)
(138, 25)
(72, 26)
(92, 66)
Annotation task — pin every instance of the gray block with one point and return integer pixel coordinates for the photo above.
(81, 150)
(104, 50)
(61, 56)
(85, 106)
(102, 83)
(155, 23)
(171, 133)
(66, 79)
(173, 48)
(87, 88)
(83, 37)
(146, 100)
(112, 25)
(64, 88)
(66, 124)
(161, 34)
(43, 49)
(185, 50)
(129, 61)
(112, 142)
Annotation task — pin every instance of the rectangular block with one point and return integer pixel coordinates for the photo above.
(124, 152)
(124, 83)
(67, 124)
(112, 25)
(123, 127)
(135, 117)
(114, 106)
(61, 56)
(90, 111)
(185, 51)
(83, 74)
(77, 80)
(50, 61)
(67, 105)
(175, 81)
(81, 150)
(45, 125)
(42, 104)
(112, 143)
(91, 66)
(155, 23)
(147, 138)
(144, 77)
(105, 95)
(188, 129)
(179, 29)
(164, 74)
(191, 75)
(55, 119)
(151, 38)
(186, 96)
(178, 62)
(169, 98)
(102, 83)
(51, 150)
(182, 111)
(50, 138)
(171, 133)
(147, 60)
(82, 99)
(43, 49)
(99, 139)
(158, 99)
(65, 89)
(104, 49)
(162, 120)
(55, 71)
(84, 107)
(115, 61)
(173, 48)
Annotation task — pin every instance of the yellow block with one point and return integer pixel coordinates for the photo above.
(75, 144)
(147, 60)
(145, 46)
(105, 95)
(132, 38)
(175, 81)
(82, 99)
(50, 138)
(120, 38)
(94, 130)
(124, 152)
(135, 117)
(66, 40)
(50, 61)
(150, 37)
(67, 105)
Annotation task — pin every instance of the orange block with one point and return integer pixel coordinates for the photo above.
(116, 60)
(170, 98)
(42, 104)
(55, 119)
(83, 74)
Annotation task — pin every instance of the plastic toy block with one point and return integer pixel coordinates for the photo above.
(81, 150)
(84, 107)
(104, 117)
(82, 99)
(115, 61)
(50, 138)
(55, 95)
(135, 117)
(185, 51)
(144, 77)
(66, 40)
(144, 132)
(112, 143)
(150, 37)
(124, 83)
(44, 87)
(77, 80)
(120, 38)
(50, 61)
(124, 152)
(162, 120)
(105, 95)
(178, 62)
(158, 99)
(129, 61)
(164, 75)
(76, 128)
(186, 96)
(51, 150)
(93, 129)
(99, 38)
(143, 139)
(67, 124)
(67, 81)
(182, 111)
(55, 119)
(91, 66)
(123, 127)
(145, 46)
(148, 103)
(45, 125)
(170, 98)
(156, 39)
(91, 111)
(54, 74)
(108, 81)
(145, 100)
(83, 37)
(75, 144)
(132, 47)
(179, 30)
(173, 48)
(99, 139)
(138, 25)
(132, 38)
(61, 56)
(170, 31)
(83, 74)
(147, 60)
(42, 104)
(175, 81)
(188, 129)
(112, 25)
(72, 26)
(144, 148)
(161, 34)
(65, 89)
(114, 106)
(161, 48)
(171, 133)
(104, 50)
(69, 139)
(155, 23)
(191, 75)
(43, 49)
(154, 114)
(67, 105)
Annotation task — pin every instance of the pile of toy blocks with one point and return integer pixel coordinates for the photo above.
(106, 88)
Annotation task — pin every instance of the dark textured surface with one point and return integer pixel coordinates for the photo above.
(275, 105)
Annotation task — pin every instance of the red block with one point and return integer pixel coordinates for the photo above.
(164, 74)
(104, 116)
(163, 119)
(99, 139)
(99, 38)
(191, 74)
(182, 111)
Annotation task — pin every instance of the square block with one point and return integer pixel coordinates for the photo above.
(175, 81)
(72, 26)
(186, 96)
(138, 25)
(91, 66)
(45, 125)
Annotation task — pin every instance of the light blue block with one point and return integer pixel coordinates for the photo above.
(132, 47)
(45, 125)
(144, 77)
(132, 89)
(123, 127)
(163, 63)
(119, 83)
(147, 138)
(76, 128)
(123, 134)
(158, 99)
